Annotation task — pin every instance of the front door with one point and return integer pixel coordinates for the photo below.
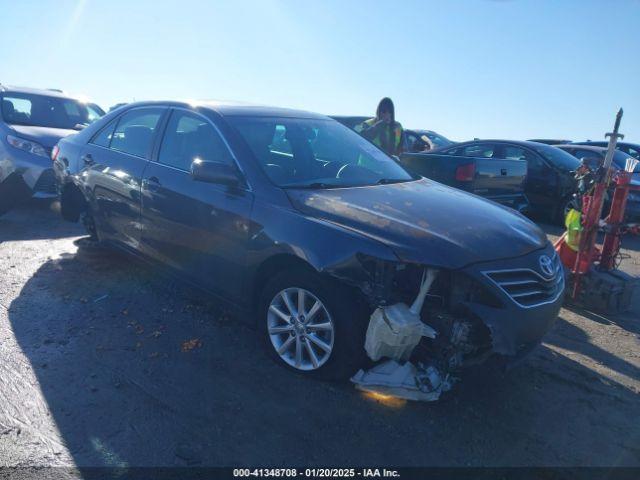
(199, 229)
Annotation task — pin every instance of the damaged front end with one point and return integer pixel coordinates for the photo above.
(436, 322)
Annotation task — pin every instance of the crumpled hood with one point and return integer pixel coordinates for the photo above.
(45, 136)
(425, 222)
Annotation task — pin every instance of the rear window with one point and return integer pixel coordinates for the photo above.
(135, 131)
(558, 157)
(44, 111)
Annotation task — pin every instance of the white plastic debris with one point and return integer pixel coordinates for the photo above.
(630, 165)
(403, 381)
(394, 331)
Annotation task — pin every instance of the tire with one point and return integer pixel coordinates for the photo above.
(346, 314)
(89, 224)
(563, 208)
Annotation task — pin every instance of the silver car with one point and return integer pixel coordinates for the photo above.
(31, 123)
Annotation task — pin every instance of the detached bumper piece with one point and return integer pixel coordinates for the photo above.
(422, 383)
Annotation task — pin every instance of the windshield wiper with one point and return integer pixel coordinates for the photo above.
(387, 181)
(319, 185)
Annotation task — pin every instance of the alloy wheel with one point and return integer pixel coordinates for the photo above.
(300, 328)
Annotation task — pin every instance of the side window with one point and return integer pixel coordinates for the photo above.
(534, 162)
(188, 137)
(580, 154)
(410, 140)
(453, 151)
(134, 133)
(478, 150)
(103, 137)
(512, 152)
(280, 144)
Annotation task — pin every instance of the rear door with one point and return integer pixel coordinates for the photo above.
(114, 161)
(199, 229)
(496, 176)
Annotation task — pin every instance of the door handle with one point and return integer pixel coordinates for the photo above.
(88, 159)
(151, 183)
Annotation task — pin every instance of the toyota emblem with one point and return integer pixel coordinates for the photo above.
(546, 265)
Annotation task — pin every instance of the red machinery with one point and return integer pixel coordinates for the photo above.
(594, 280)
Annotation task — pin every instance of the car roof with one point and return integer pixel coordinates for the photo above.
(523, 143)
(233, 109)
(350, 117)
(36, 91)
(593, 148)
(600, 143)
(420, 131)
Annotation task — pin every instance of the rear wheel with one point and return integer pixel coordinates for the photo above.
(310, 326)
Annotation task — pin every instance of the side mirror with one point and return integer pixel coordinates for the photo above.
(214, 172)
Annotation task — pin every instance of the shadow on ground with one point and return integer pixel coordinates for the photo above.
(13, 226)
(140, 371)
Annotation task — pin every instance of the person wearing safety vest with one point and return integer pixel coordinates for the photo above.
(383, 130)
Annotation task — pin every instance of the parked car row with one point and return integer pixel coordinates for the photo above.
(533, 177)
(546, 182)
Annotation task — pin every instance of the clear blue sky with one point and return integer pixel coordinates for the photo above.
(466, 68)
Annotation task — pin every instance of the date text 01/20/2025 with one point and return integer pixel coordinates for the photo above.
(316, 472)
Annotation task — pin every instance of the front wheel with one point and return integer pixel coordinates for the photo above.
(312, 327)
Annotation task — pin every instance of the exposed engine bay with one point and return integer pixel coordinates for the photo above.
(426, 340)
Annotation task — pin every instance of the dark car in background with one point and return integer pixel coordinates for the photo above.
(422, 140)
(307, 227)
(414, 140)
(549, 183)
(350, 121)
(475, 167)
(31, 123)
(594, 156)
(632, 149)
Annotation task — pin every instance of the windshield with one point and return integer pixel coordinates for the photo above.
(316, 153)
(44, 111)
(558, 157)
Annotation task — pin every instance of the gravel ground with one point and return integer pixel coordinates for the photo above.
(105, 363)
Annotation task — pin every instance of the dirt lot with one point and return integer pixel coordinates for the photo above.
(105, 363)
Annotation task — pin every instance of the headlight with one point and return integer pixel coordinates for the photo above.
(27, 145)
